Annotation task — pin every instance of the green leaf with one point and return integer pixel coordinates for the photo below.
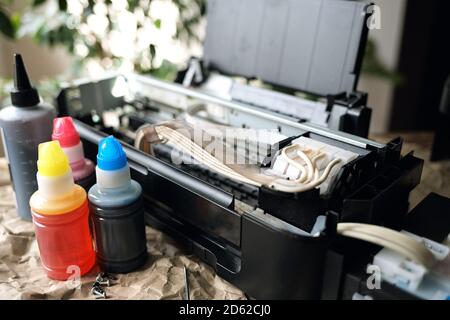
(6, 25)
(37, 2)
(91, 4)
(152, 55)
(133, 4)
(157, 23)
(167, 71)
(62, 5)
(152, 51)
(15, 20)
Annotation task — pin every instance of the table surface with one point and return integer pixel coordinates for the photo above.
(162, 277)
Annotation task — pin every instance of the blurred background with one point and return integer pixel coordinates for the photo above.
(405, 67)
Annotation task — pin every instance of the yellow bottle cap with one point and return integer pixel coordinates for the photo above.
(52, 161)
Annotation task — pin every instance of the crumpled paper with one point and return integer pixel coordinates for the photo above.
(162, 277)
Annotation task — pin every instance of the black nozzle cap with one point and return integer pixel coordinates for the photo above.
(23, 94)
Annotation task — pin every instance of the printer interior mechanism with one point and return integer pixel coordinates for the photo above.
(272, 181)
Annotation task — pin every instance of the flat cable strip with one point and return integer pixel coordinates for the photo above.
(200, 154)
(388, 238)
(193, 149)
(203, 158)
(208, 124)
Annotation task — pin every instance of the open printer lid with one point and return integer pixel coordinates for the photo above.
(314, 46)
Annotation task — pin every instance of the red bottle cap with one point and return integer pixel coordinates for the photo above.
(64, 131)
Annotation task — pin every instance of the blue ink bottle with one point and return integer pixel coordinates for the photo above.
(117, 211)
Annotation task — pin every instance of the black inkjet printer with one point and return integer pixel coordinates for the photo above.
(305, 58)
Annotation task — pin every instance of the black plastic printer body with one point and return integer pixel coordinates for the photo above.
(270, 244)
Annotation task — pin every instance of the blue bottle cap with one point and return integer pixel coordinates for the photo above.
(110, 154)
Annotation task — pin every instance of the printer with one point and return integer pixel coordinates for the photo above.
(273, 227)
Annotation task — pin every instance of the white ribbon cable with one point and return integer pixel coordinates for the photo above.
(388, 238)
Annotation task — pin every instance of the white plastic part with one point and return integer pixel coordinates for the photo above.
(55, 187)
(447, 241)
(280, 166)
(439, 250)
(397, 270)
(75, 154)
(330, 153)
(292, 172)
(408, 275)
(358, 296)
(110, 179)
